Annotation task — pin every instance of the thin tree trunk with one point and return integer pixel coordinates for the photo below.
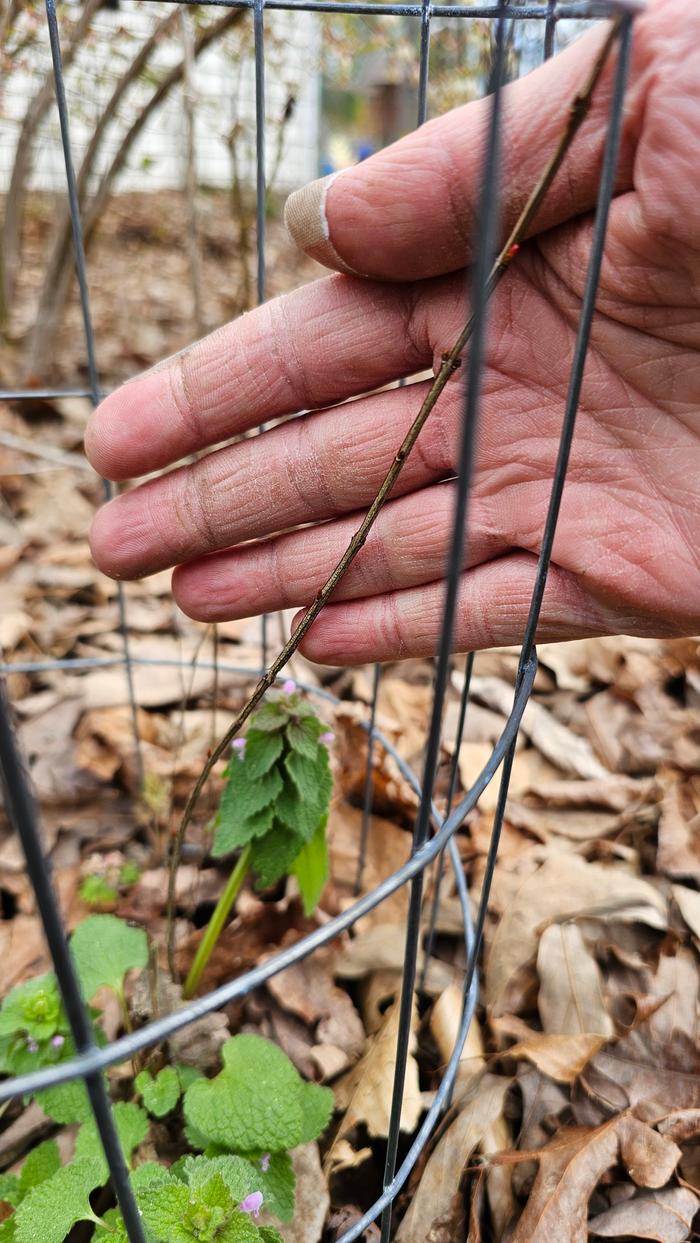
(11, 239)
(189, 101)
(58, 275)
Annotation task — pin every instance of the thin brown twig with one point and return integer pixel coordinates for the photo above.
(579, 108)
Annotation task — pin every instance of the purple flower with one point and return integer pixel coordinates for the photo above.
(32, 1045)
(265, 1162)
(289, 686)
(238, 745)
(252, 1203)
(58, 1041)
(328, 737)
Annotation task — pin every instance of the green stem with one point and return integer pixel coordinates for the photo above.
(216, 924)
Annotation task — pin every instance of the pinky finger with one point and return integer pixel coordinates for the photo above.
(492, 610)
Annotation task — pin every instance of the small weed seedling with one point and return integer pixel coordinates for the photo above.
(274, 809)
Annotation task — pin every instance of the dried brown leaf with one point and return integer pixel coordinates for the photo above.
(570, 997)
(479, 1108)
(569, 752)
(666, 1216)
(562, 1057)
(365, 1093)
(656, 1065)
(563, 888)
(570, 1168)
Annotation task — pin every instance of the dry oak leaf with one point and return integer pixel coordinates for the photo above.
(678, 854)
(569, 752)
(657, 1063)
(688, 902)
(479, 1109)
(561, 1057)
(571, 1166)
(365, 1092)
(666, 1216)
(565, 887)
(570, 997)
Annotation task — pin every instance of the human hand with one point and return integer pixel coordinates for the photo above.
(625, 557)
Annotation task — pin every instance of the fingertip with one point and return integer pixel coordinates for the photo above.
(306, 221)
(120, 536)
(130, 433)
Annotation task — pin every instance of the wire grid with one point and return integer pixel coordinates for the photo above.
(433, 835)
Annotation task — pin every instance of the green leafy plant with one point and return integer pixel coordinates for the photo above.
(34, 1029)
(259, 1108)
(239, 1127)
(274, 809)
(95, 890)
(245, 1120)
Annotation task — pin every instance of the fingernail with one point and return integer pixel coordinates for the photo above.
(307, 223)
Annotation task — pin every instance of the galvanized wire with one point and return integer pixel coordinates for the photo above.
(91, 1061)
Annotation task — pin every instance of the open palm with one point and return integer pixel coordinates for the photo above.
(626, 555)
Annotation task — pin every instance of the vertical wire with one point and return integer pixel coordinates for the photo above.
(81, 274)
(454, 773)
(260, 215)
(22, 814)
(487, 233)
(550, 29)
(595, 263)
(369, 784)
(605, 196)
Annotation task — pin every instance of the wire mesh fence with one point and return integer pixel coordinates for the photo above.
(434, 829)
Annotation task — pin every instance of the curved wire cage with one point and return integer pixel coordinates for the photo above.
(433, 834)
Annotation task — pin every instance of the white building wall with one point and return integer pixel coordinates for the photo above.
(225, 96)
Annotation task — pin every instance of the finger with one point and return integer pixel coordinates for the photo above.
(407, 546)
(493, 604)
(323, 343)
(408, 211)
(307, 470)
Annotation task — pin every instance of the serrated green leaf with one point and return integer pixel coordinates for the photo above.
(150, 1174)
(238, 1174)
(180, 1213)
(274, 854)
(303, 736)
(164, 1209)
(104, 948)
(232, 833)
(66, 1102)
(34, 1007)
(311, 868)
(277, 1183)
(9, 1189)
(51, 1210)
(317, 1105)
(244, 796)
(159, 1094)
(261, 751)
(304, 804)
(268, 1234)
(132, 1126)
(41, 1163)
(273, 715)
(239, 1229)
(254, 1103)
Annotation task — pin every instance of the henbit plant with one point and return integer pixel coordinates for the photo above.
(242, 1124)
(274, 809)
